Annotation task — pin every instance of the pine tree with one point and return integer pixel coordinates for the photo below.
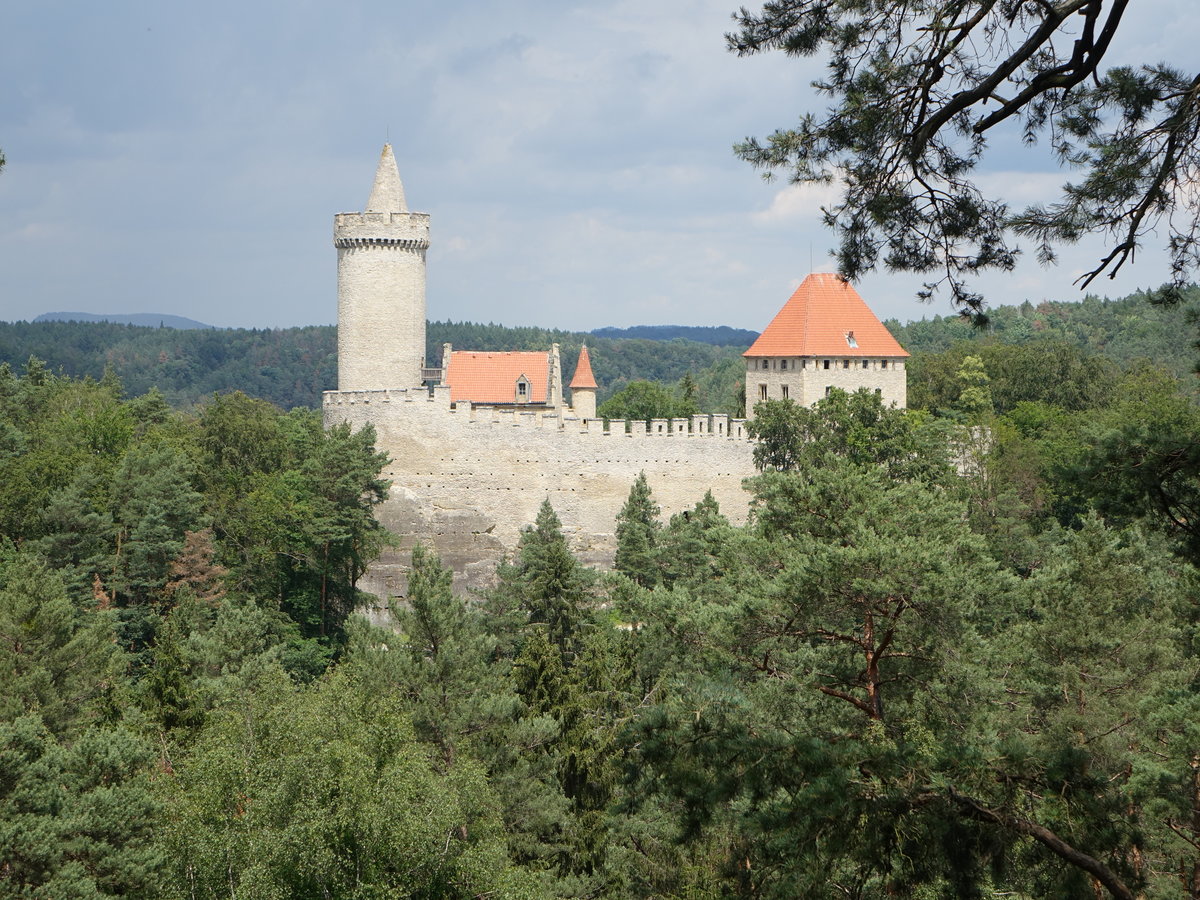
(549, 584)
(637, 535)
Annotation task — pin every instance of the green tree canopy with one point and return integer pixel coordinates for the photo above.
(643, 400)
(854, 427)
(638, 528)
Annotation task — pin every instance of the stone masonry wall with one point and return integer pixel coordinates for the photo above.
(807, 385)
(381, 298)
(465, 482)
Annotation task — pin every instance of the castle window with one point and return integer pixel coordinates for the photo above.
(866, 363)
(883, 364)
(845, 363)
(804, 363)
(850, 339)
(828, 388)
(766, 364)
(762, 392)
(826, 364)
(783, 364)
(785, 392)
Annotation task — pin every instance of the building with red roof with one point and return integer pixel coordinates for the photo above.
(529, 380)
(825, 337)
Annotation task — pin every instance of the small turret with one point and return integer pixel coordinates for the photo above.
(584, 387)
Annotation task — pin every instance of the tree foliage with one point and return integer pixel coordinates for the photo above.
(855, 427)
(898, 678)
(919, 90)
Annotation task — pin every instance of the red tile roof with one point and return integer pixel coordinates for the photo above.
(583, 372)
(492, 377)
(825, 317)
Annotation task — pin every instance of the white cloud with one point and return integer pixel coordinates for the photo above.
(799, 202)
(575, 158)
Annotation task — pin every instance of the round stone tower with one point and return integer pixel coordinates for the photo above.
(381, 288)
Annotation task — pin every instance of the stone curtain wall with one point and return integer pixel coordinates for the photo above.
(465, 482)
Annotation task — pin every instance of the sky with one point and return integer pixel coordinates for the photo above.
(575, 157)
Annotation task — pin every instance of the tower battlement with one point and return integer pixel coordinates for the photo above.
(406, 229)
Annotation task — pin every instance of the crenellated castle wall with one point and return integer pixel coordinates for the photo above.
(465, 481)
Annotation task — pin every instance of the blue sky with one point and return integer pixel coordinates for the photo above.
(575, 158)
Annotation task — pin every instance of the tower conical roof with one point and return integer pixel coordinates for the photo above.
(387, 194)
(825, 317)
(583, 379)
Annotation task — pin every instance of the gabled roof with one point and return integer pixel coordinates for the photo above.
(492, 377)
(584, 378)
(825, 317)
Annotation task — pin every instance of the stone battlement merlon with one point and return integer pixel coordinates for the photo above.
(359, 229)
(718, 426)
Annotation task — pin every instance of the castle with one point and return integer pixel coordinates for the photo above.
(479, 442)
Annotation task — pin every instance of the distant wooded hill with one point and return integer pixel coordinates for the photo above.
(1121, 330)
(720, 336)
(292, 366)
(150, 320)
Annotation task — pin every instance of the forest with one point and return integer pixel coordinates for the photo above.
(665, 368)
(290, 367)
(953, 653)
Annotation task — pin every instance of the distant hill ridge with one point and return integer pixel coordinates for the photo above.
(150, 320)
(718, 336)
(291, 366)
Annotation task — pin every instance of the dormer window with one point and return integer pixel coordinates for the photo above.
(522, 390)
(850, 340)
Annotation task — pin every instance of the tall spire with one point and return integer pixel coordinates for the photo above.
(387, 194)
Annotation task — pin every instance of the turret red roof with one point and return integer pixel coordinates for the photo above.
(825, 317)
(492, 377)
(584, 379)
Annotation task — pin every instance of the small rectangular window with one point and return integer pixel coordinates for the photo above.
(766, 364)
(828, 388)
(804, 363)
(866, 364)
(845, 363)
(762, 392)
(783, 364)
(883, 364)
(826, 364)
(785, 391)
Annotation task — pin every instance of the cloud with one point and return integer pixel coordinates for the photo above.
(799, 202)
